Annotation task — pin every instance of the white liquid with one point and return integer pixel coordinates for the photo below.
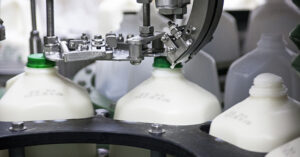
(263, 121)
(41, 94)
(291, 149)
(165, 98)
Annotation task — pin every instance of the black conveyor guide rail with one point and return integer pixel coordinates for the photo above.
(182, 141)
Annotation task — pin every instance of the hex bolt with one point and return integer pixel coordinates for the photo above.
(156, 129)
(130, 36)
(189, 42)
(84, 36)
(194, 29)
(164, 38)
(17, 127)
(171, 49)
(120, 38)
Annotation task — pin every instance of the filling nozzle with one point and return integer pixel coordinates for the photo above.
(51, 43)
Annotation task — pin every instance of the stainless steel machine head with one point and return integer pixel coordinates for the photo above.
(179, 44)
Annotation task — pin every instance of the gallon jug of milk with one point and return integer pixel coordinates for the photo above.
(272, 17)
(263, 121)
(291, 149)
(270, 56)
(225, 46)
(40, 93)
(165, 98)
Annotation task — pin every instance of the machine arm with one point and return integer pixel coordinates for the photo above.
(179, 44)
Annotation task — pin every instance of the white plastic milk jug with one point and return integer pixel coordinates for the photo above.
(291, 149)
(270, 56)
(165, 98)
(263, 121)
(40, 93)
(275, 16)
(225, 47)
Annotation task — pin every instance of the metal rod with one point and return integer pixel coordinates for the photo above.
(146, 14)
(33, 14)
(157, 154)
(17, 152)
(50, 17)
(35, 42)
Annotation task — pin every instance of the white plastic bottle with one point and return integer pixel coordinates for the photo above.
(202, 70)
(263, 121)
(17, 30)
(106, 14)
(165, 98)
(291, 149)
(270, 56)
(40, 93)
(275, 16)
(225, 47)
(115, 79)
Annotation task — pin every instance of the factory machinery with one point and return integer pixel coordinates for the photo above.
(179, 45)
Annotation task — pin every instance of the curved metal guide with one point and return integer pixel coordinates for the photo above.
(202, 23)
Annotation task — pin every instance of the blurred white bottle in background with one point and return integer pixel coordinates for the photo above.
(225, 47)
(270, 56)
(275, 16)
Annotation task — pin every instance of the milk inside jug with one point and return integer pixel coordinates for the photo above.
(291, 149)
(165, 98)
(270, 56)
(40, 93)
(263, 121)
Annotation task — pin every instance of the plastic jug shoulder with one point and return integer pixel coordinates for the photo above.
(263, 121)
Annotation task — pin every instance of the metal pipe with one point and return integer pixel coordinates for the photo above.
(50, 17)
(35, 42)
(33, 14)
(146, 14)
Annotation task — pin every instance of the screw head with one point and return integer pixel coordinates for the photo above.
(17, 126)
(189, 42)
(156, 129)
(171, 49)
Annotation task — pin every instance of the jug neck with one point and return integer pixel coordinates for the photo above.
(268, 85)
(271, 43)
(40, 71)
(164, 72)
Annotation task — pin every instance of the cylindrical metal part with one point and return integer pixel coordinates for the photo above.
(135, 54)
(35, 42)
(17, 152)
(146, 14)
(33, 14)
(50, 17)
